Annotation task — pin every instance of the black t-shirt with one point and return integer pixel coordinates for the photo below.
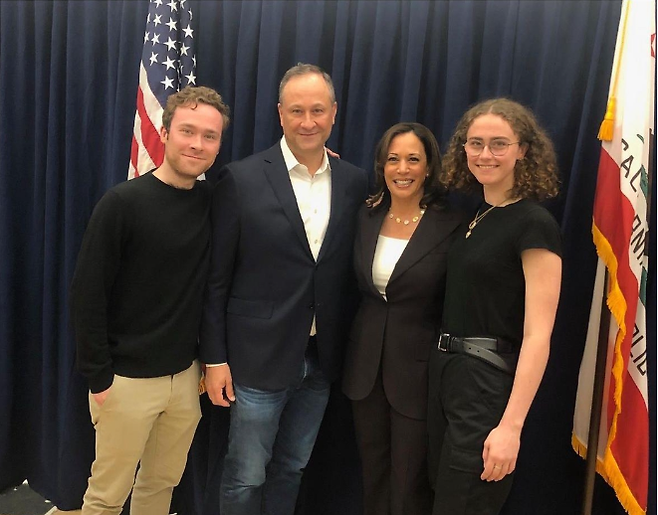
(485, 291)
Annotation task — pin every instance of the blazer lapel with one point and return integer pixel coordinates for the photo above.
(339, 194)
(279, 179)
(369, 235)
(433, 228)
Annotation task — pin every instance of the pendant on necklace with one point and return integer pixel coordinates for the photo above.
(472, 225)
(477, 219)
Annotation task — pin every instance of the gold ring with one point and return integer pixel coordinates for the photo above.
(496, 466)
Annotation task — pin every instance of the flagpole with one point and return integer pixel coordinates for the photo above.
(597, 402)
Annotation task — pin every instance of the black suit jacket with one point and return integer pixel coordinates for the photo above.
(265, 286)
(398, 333)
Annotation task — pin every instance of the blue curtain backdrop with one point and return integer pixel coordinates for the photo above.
(68, 81)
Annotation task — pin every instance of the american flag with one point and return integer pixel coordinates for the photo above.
(168, 64)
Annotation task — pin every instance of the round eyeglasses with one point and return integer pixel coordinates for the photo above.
(497, 147)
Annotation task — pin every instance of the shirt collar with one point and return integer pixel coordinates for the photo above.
(291, 160)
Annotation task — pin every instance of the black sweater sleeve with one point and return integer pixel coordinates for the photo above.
(96, 269)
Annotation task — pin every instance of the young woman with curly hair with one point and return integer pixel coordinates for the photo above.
(502, 291)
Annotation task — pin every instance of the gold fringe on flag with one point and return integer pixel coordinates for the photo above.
(608, 123)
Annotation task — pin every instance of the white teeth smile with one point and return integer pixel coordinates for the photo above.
(487, 166)
(403, 182)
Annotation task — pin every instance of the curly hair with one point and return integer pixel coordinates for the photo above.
(191, 96)
(535, 176)
(433, 192)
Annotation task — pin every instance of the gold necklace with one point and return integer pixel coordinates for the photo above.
(479, 217)
(406, 222)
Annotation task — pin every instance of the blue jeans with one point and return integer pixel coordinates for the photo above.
(271, 437)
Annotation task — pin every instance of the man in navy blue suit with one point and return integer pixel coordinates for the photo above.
(280, 296)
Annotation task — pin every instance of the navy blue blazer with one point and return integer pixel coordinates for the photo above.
(397, 334)
(265, 286)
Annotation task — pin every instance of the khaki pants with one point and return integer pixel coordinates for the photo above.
(150, 422)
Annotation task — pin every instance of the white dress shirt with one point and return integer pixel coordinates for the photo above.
(313, 194)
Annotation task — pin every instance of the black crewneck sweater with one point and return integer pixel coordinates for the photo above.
(137, 290)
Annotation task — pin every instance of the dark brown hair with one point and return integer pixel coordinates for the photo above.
(535, 176)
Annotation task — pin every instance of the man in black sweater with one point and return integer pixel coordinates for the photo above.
(136, 302)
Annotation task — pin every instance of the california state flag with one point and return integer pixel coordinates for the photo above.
(620, 232)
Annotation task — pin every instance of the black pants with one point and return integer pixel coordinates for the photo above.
(393, 450)
(467, 398)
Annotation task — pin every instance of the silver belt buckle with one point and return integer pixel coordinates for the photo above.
(443, 338)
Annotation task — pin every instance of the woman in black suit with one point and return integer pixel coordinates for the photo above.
(403, 234)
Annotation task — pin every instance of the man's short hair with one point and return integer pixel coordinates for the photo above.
(191, 96)
(305, 69)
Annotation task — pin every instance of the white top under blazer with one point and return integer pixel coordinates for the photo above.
(387, 254)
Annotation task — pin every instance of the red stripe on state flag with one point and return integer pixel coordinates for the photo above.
(631, 446)
(613, 213)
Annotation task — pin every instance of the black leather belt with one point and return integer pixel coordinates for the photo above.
(486, 349)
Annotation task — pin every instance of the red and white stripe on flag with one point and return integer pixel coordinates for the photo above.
(620, 233)
(168, 63)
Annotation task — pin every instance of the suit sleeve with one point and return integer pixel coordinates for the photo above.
(225, 221)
